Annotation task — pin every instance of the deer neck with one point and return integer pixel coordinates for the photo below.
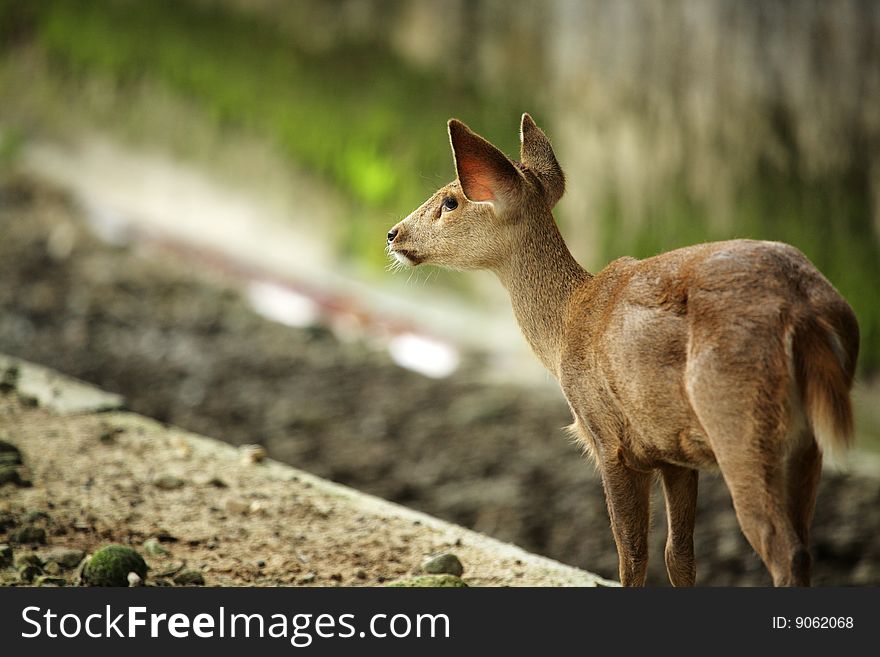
(540, 276)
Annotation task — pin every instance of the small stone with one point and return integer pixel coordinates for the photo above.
(168, 482)
(52, 568)
(66, 558)
(336, 577)
(447, 563)
(155, 548)
(7, 520)
(189, 577)
(107, 438)
(866, 573)
(109, 433)
(361, 574)
(29, 559)
(29, 573)
(29, 534)
(110, 566)
(6, 555)
(50, 580)
(261, 564)
(9, 454)
(35, 516)
(237, 506)
(430, 581)
(321, 509)
(252, 453)
(9, 379)
(171, 569)
(308, 578)
(134, 580)
(182, 449)
(217, 482)
(9, 475)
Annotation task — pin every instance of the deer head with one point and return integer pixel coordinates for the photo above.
(476, 221)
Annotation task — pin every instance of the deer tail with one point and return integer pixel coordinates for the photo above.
(824, 365)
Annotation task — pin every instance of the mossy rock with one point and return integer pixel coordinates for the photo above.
(111, 565)
(430, 581)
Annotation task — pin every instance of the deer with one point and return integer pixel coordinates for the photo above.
(736, 355)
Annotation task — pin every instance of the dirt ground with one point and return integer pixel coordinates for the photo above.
(182, 346)
(189, 504)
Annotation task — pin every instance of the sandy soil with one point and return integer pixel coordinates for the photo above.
(121, 478)
(184, 347)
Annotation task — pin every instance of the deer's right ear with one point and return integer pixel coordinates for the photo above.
(485, 173)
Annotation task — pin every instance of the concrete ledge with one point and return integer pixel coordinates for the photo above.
(58, 392)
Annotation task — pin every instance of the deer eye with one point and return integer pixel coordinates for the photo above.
(449, 203)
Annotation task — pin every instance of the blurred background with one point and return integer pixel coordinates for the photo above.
(194, 196)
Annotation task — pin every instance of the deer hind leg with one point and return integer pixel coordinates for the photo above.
(748, 424)
(680, 490)
(759, 498)
(628, 494)
(753, 463)
(803, 469)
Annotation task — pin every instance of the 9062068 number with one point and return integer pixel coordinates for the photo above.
(823, 622)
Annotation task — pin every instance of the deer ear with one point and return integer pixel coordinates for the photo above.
(485, 173)
(537, 155)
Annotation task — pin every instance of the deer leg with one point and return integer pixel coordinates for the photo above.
(804, 467)
(628, 493)
(680, 490)
(759, 502)
(744, 414)
(757, 485)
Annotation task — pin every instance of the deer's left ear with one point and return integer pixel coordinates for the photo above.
(485, 173)
(537, 155)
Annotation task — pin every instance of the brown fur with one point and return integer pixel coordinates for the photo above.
(729, 354)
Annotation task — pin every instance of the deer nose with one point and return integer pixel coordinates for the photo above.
(392, 234)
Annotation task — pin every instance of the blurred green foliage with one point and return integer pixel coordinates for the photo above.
(11, 141)
(371, 125)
